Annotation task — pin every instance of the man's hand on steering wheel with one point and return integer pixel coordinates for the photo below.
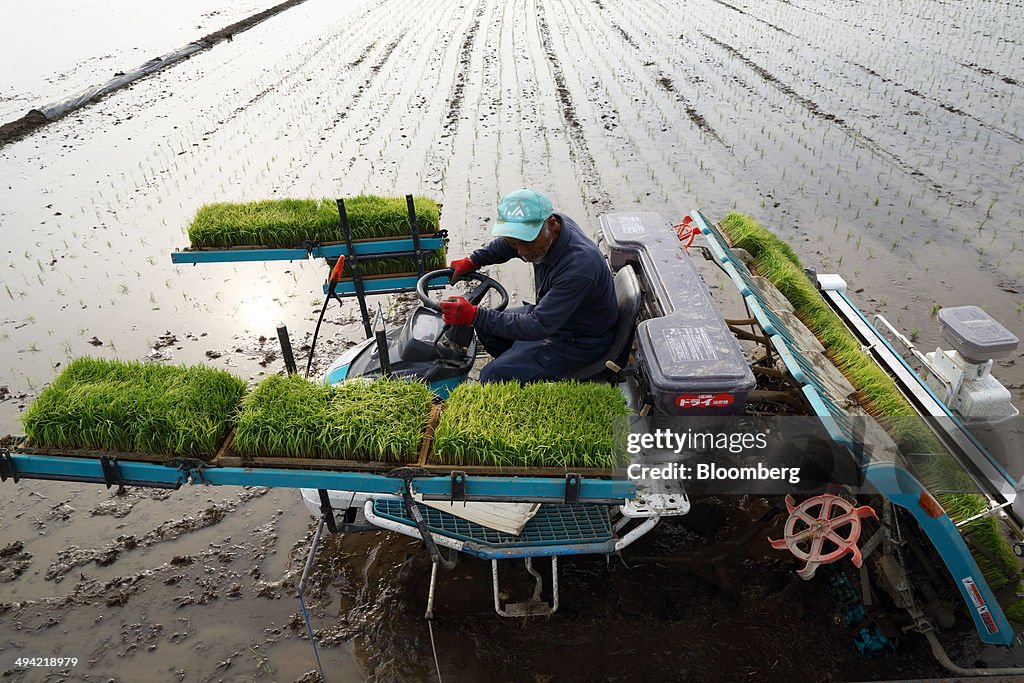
(456, 310)
(461, 267)
(485, 285)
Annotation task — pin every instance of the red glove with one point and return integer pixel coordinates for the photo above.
(461, 267)
(457, 311)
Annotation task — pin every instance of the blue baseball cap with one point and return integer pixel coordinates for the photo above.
(521, 214)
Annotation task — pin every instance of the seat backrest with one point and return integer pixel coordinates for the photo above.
(627, 296)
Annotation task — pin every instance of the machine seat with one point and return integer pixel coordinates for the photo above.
(628, 296)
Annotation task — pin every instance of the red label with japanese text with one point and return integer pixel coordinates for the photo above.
(704, 400)
(979, 604)
(990, 623)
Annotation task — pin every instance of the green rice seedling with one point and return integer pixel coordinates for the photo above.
(1016, 612)
(936, 469)
(382, 420)
(286, 223)
(369, 267)
(550, 424)
(123, 406)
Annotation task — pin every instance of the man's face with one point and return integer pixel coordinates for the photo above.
(533, 252)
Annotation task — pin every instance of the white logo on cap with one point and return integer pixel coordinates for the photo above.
(519, 211)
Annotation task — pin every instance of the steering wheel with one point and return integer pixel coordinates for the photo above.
(487, 284)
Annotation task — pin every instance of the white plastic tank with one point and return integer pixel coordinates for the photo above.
(962, 377)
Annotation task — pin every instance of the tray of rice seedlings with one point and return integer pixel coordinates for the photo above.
(370, 425)
(290, 223)
(552, 426)
(371, 268)
(142, 411)
(933, 465)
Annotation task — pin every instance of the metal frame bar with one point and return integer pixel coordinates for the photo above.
(90, 470)
(962, 439)
(534, 606)
(402, 246)
(478, 488)
(415, 230)
(357, 276)
(385, 285)
(488, 552)
(407, 530)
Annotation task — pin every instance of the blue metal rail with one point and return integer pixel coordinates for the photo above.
(386, 285)
(902, 489)
(173, 475)
(1002, 478)
(381, 247)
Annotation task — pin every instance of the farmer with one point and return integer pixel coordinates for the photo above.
(573, 321)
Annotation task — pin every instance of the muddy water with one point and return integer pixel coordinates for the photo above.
(883, 142)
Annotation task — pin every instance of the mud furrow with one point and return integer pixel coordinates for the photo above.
(511, 92)
(363, 55)
(419, 108)
(622, 32)
(813, 109)
(385, 56)
(989, 72)
(73, 556)
(942, 105)
(489, 152)
(292, 74)
(453, 106)
(426, 93)
(351, 102)
(666, 84)
(859, 18)
(612, 145)
(442, 151)
(580, 149)
(269, 108)
(639, 142)
(545, 150)
(758, 19)
(361, 112)
(768, 77)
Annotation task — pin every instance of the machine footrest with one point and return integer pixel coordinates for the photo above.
(553, 525)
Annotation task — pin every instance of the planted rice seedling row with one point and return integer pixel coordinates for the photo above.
(287, 223)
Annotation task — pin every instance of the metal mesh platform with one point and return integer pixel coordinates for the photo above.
(552, 525)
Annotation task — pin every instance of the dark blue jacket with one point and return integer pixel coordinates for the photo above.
(574, 290)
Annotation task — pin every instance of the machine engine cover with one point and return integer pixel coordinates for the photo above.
(689, 359)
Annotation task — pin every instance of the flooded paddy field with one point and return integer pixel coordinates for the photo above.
(883, 142)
